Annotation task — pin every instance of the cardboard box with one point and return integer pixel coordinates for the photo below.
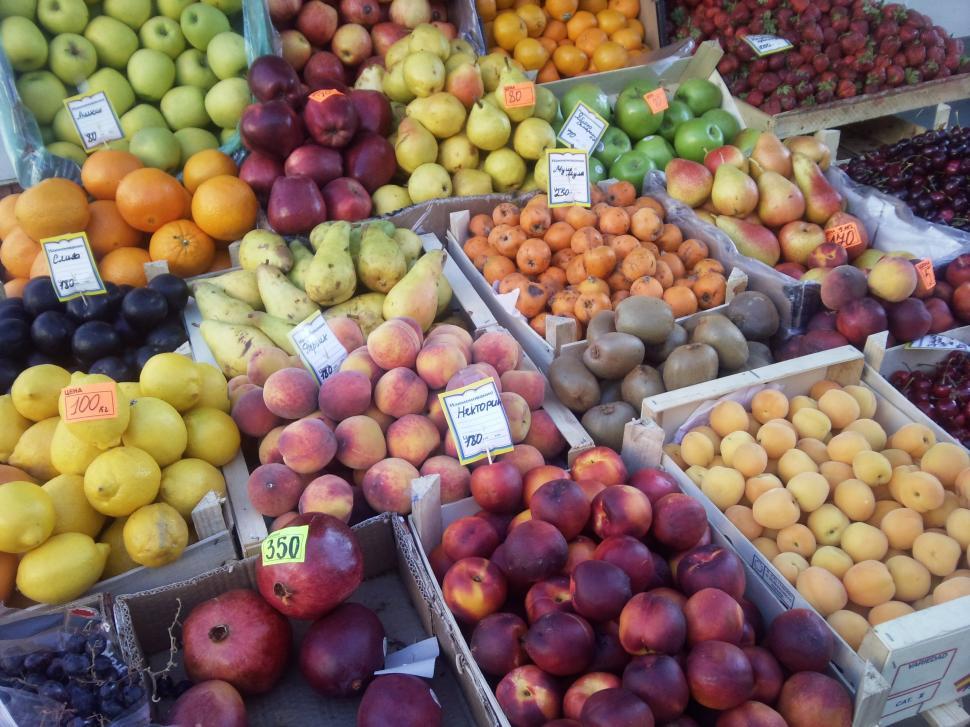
(394, 587)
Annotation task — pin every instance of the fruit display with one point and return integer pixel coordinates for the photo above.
(939, 392)
(174, 79)
(929, 172)
(565, 38)
(865, 523)
(112, 334)
(841, 50)
(597, 596)
(91, 498)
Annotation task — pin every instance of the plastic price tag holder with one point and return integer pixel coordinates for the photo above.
(477, 420)
(287, 545)
(95, 119)
(319, 349)
(583, 129)
(72, 267)
(90, 402)
(568, 178)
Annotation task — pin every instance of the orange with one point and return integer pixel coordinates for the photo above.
(508, 29)
(17, 253)
(635, 24)
(148, 198)
(519, 3)
(103, 170)
(561, 9)
(628, 38)
(549, 44)
(593, 6)
(609, 56)
(54, 207)
(555, 29)
(204, 165)
(547, 73)
(570, 60)
(611, 20)
(486, 10)
(531, 54)
(534, 18)
(40, 266)
(590, 39)
(220, 261)
(503, 4)
(7, 218)
(108, 230)
(630, 8)
(125, 266)
(14, 288)
(188, 250)
(225, 207)
(578, 23)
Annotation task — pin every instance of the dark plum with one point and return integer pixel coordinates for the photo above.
(144, 308)
(174, 289)
(51, 333)
(94, 340)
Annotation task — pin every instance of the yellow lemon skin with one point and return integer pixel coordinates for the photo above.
(187, 481)
(121, 480)
(130, 390)
(12, 425)
(36, 390)
(74, 513)
(70, 455)
(27, 516)
(213, 436)
(62, 569)
(118, 559)
(171, 377)
(214, 392)
(157, 428)
(155, 535)
(33, 451)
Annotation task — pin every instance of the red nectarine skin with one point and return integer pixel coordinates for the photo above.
(473, 588)
(552, 594)
(616, 707)
(711, 566)
(660, 682)
(751, 714)
(631, 555)
(801, 640)
(621, 510)
(560, 643)
(654, 483)
(809, 699)
(497, 487)
(534, 479)
(713, 615)
(599, 589)
(768, 676)
(601, 464)
(399, 699)
(529, 696)
(469, 537)
(652, 623)
(583, 688)
(580, 549)
(496, 643)
(609, 654)
(533, 551)
(719, 675)
(679, 521)
(563, 503)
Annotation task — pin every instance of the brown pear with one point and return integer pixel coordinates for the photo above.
(822, 200)
(811, 147)
(770, 155)
(734, 193)
(780, 201)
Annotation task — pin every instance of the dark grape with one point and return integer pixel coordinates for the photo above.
(76, 643)
(103, 666)
(110, 708)
(53, 690)
(37, 662)
(12, 663)
(76, 664)
(132, 695)
(56, 669)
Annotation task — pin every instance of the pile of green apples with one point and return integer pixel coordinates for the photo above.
(176, 80)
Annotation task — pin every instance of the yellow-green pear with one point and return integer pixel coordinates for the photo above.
(460, 45)
(366, 309)
(281, 298)
(241, 285)
(541, 171)
(215, 305)
(332, 278)
(509, 77)
(262, 247)
(232, 345)
(427, 37)
(414, 145)
(409, 243)
(371, 79)
(470, 182)
(532, 137)
(429, 181)
(381, 262)
(397, 52)
(488, 127)
(389, 198)
(416, 296)
(458, 59)
(275, 328)
(546, 104)
(424, 73)
(395, 87)
(302, 258)
(491, 67)
(530, 184)
(457, 153)
(440, 113)
(506, 168)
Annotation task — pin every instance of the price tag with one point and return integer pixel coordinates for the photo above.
(936, 341)
(477, 420)
(520, 94)
(568, 181)
(846, 235)
(583, 129)
(324, 93)
(319, 348)
(72, 267)
(656, 100)
(95, 119)
(924, 268)
(90, 402)
(285, 546)
(765, 45)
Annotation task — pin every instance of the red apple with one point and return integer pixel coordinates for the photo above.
(711, 566)
(560, 643)
(496, 644)
(652, 623)
(473, 588)
(719, 675)
(317, 21)
(599, 590)
(362, 12)
(283, 11)
(497, 487)
(370, 160)
(296, 48)
(660, 682)
(341, 651)
(373, 111)
(798, 239)
(347, 200)
(330, 118)
(271, 77)
(679, 521)
(272, 127)
(323, 69)
(551, 594)
(319, 163)
(529, 696)
(630, 555)
(726, 155)
(601, 464)
(351, 43)
(295, 205)
(654, 483)
(621, 510)
(384, 35)
(259, 171)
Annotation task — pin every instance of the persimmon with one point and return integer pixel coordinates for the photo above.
(481, 225)
(708, 265)
(497, 267)
(593, 285)
(687, 281)
(692, 251)
(584, 239)
(561, 258)
(618, 281)
(647, 245)
(638, 263)
(532, 300)
(682, 301)
(563, 302)
(576, 271)
(670, 238)
(647, 285)
(509, 241)
(506, 214)
(589, 304)
(559, 213)
(623, 244)
(620, 194)
(580, 217)
(599, 261)
(674, 263)
(558, 235)
(496, 232)
(652, 204)
(540, 199)
(664, 275)
(535, 220)
(538, 323)
(710, 290)
(533, 256)
(646, 225)
(596, 194)
(614, 221)
(478, 249)
(618, 296)
(554, 279)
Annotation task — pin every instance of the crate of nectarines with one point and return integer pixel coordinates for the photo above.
(840, 502)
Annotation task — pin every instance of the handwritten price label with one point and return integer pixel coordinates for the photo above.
(285, 546)
(924, 268)
(520, 94)
(90, 402)
(319, 349)
(72, 267)
(95, 119)
(765, 45)
(583, 129)
(324, 93)
(656, 100)
(846, 235)
(936, 341)
(477, 420)
(568, 178)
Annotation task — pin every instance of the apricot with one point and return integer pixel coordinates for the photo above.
(766, 546)
(850, 626)
(794, 462)
(883, 508)
(920, 490)
(839, 406)
(945, 461)
(939, 553)
(769, 404)
(724, 486)
(776, 509)
(797, 403)
(710, 434)
(871, 430)
(844, 446)
(914, 439)
(776, 439)
(872, 468)
(731, 442)
(958, 526)
(827, 524)
(822, 590)
(750, 459)
(820, 387)
(869, 583)
(864, 397)
(796, 538)
(810, 490)
(864, 542)
(897, 457)
(814, 448)
(855, 498)
(888, 611)
(697, 449)
(912, 579)
(728, 416)
(811, 423)
(951, 589)
(835, 560)
(755, 486)
(835, 472)
(790, 565)
(743, 519)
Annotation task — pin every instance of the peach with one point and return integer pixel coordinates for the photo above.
(283, 521)
(499, 349)
(394, 344)
(496, 643)
(601, 464)
(455, 478)
(236, 381)
(345, 394)
(473, 373)
(290, 393)
(251, 414)
(869, 583)
(360, 442)
(753, 714)
(620, 510)
(400, 391)
(438, 362)
(851, 626)
(387, 485)
(530, 385)
(938, 552)
(544, 435)
(524, 457)
(330, 495)
(460, 333)
(360, 360)
(768, 676)
(274, 489)
(269, 450)
(551, 594)
(533, 551)
(347, 332)
(307, 445)
(583, 688)
(474, 588)
(808, 699)
(469, 537)
(412, 438)
(652, 623)
(448, 445)
(528, 695)
(236, 394)
(719, 675)
(822, 590)
(264, 362)
(518, 414)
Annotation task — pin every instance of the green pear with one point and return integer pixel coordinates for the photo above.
(416, 295)
(471, 182)
(426, 37)
(390, 198)
(424, 73)
(410, 245)
(457, 153)
(381, 263)
(394, 85)
(397, 52)
(547, 105)
(441, 113)
(506, 168)
(262, 247)
(275, 328)
(232, 345)
(509, 77)
(301, 264)
(331, 278)
(318, 234)
(458, 59)
(532, 137)
(429, 181)
(488, 127)
(492, 66)
(280, 297)
(215, 305)
(414, 146)
(365, 309)
(241, 285)
(460, 45)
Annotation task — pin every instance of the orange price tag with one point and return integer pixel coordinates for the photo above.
(924, 268)
(87, 403)
(846, 235)
(520, 94)
(656, 100)
(324, 93)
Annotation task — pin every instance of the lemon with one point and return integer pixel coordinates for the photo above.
(70, 455)
(33, 451)
(27, 516)
(213, 436)
(172, 377)
(121, 480)
(12, 425)
(130, 390)
(155, 535)
(100, 433)
(157, 428)
(187, 481)
(214, 392)
(118, 559)
(36, 391)
(61, 569)
(73, 512)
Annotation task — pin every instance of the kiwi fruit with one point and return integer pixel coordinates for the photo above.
(606, 422)
(656, 355)
(599, 324)
(573, 383)
(719, 333)
(691, 364)
(612, 355)
(754, 314)
(649, 319)
(758, 355)
(610, 391)
(641, 382)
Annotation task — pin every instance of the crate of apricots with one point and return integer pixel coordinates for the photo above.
(565, 38)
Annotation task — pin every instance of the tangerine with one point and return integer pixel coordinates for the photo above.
(570, 60)
(486, 10)
(531, 54)
(547, 73)
(578, 23)
(534, 18)
(148, 198)
(107, 229)
(125, 266)
(630, 8)
(555, 29)
(609, 56)
(104, 169)
(53, 207)
(17, 253)
(561, 9)
(186, 248)
(7, 218)
(509, 29)
(628, 38)
(204, 165)
(590, 39)
(225, 207)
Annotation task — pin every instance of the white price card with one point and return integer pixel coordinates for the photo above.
(765, 45)
(477, 420)
(583, 129)
(95, 119)
(73, 270)
(568, 178)
(320, 350)
(936, 341)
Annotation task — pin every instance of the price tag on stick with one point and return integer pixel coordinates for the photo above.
(477, 420)
(72, 267)
(321, 351)
(285, 546)
(583, 129)
(90, 402)
(95, 119)
(520, 94)
(568, 175)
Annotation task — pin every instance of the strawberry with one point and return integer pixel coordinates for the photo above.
(760, 65)
(825, 91)
(769, 82)
(820, 63)
(755, 98)
(828, 36)
(895, 76)
(776, 62)
(852, 41)
(800, 6)
(728, 64)
(951, 62)
(930, 70)
(786, 96)
(845, 89)
(771, 106)
(869, 88)
(804, 89)
(866, 62)
(885, 29)
(840, 19)
(812, 34)
(876, 77)
(915, 54)
(908, 33)
(913, 76)
(860, 26)
(890, 46)
(936, 54)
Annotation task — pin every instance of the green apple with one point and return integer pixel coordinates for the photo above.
(62, 16)
(173, 8)
(192, 69)
(141, 117)
(699, 94)
(115, 86)
(677, 113)
(156, 147)
(151, 73)
(69, 151)
(613, 143)
(632, 167)
(43, 93)
(163, 34)
(24, 44)
(632, 113)
(184, 107)
(23, 8)
(695, 138)
(657, 150)
(226, 100)
(133, 13)
(194, 140)
(63, 127)
(723, 120)
(72, 58)
(201, 23)
(591, 95)
(226, 54)
(597, 171)
(114, 41)
(226, 6)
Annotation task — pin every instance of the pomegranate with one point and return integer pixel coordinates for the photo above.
(342, 650)
(212, 702)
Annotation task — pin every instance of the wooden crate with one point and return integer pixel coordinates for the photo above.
(899, 652)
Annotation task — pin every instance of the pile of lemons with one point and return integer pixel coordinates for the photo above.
(86, 500)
